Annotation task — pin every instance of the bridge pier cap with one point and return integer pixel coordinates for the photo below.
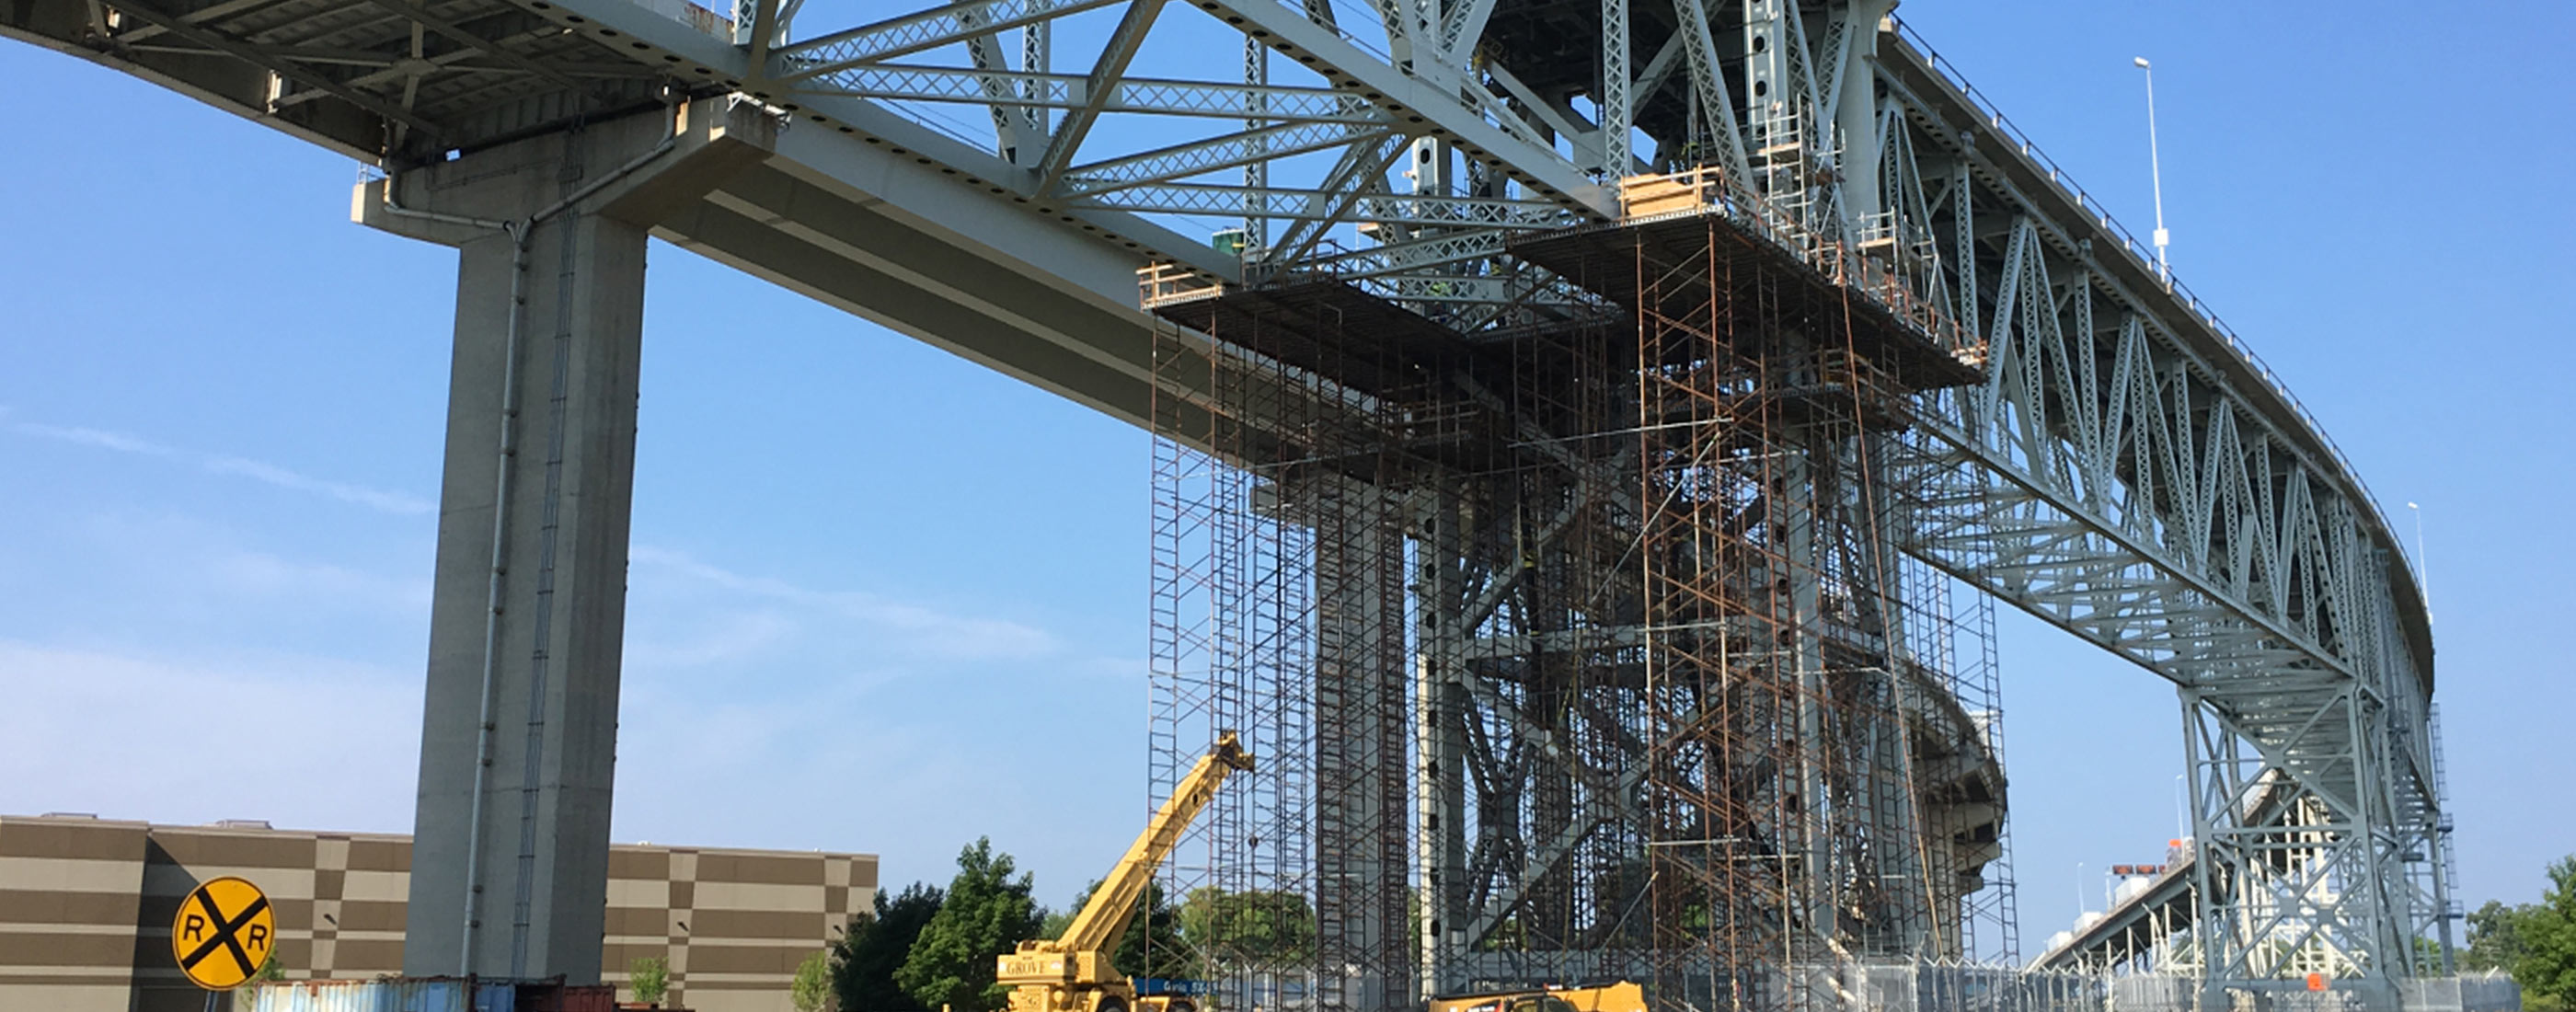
(527, 617)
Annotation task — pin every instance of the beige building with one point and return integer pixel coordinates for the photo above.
(86, 904)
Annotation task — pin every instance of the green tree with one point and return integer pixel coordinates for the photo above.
(1151, 946)
(988, 912)
(866, 956)
(2546, 968)
(1256, 926)
(649, 978)
(2495, 937)
(813, 984)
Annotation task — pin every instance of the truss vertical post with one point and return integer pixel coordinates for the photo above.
(1440, 708)
(1616, 110)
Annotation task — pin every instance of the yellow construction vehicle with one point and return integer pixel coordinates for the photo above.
(1621, 996)
(1071, 973)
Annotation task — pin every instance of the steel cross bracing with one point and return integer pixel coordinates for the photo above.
(2126, 471)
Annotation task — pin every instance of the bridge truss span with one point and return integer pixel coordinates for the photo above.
(1438, 393)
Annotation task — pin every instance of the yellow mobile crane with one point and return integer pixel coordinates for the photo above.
(1619, 996)
(1071, 973)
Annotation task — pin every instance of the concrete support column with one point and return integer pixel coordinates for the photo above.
(509, 871)
(1361, 777)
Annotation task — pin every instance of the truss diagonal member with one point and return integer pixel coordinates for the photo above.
(1010, 130)
(1421, 254)
(1182, 161)
(1464, 27)
(1596, 810)
(1424, 106)
(918, 31)
(1112, 65)
(1587, 487)
(1360, 173)
(260, 56)
(765, 33)
(1708, 76)
(1582, 134)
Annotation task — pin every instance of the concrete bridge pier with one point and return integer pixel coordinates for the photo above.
(509, 871)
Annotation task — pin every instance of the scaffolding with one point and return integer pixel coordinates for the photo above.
(1586, 646)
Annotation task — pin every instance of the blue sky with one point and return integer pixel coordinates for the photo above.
(886, 601)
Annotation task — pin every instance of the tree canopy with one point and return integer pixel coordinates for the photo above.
(1256, 926)
(865, 958)
(813, 983)
(650, 979)
(2536, 942)
(987, 912)
(2546, 967)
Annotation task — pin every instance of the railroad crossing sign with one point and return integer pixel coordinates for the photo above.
(222, 933)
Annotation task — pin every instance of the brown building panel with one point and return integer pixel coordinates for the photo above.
(340, 901)
(378, 853)
(42, 906)
(60, 949)
(68, 838)
(360, 958)
(763, 869)
(370, 915)
(235, 848)
(638, 863)
(791, 925)
(713, 957)
(653, 921)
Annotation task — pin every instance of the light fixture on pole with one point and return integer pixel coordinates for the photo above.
(2156, 172)
(2423, 568)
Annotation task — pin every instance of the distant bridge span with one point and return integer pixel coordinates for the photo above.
(2125, 470)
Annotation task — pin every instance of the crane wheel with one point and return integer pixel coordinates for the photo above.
(1181, 1005)
(1110, 1005)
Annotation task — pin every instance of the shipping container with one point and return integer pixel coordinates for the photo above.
(388, 994)
(567, 998)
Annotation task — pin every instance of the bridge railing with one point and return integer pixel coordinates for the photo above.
(2139, 251)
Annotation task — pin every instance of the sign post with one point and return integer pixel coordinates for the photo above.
(222, 934)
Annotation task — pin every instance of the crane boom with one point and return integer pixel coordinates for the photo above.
(1072, 972)
(1102, 920)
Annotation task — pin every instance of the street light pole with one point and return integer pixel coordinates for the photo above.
(2423, 567)
(2155, 169)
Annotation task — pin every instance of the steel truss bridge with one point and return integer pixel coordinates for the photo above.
(992, 176)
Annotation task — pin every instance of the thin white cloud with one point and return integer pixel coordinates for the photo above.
(266, 575)
(919, 629)
(734, 638)
(376, 499)
(99, 438)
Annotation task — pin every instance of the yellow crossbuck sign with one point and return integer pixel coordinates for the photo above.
(222, 933)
